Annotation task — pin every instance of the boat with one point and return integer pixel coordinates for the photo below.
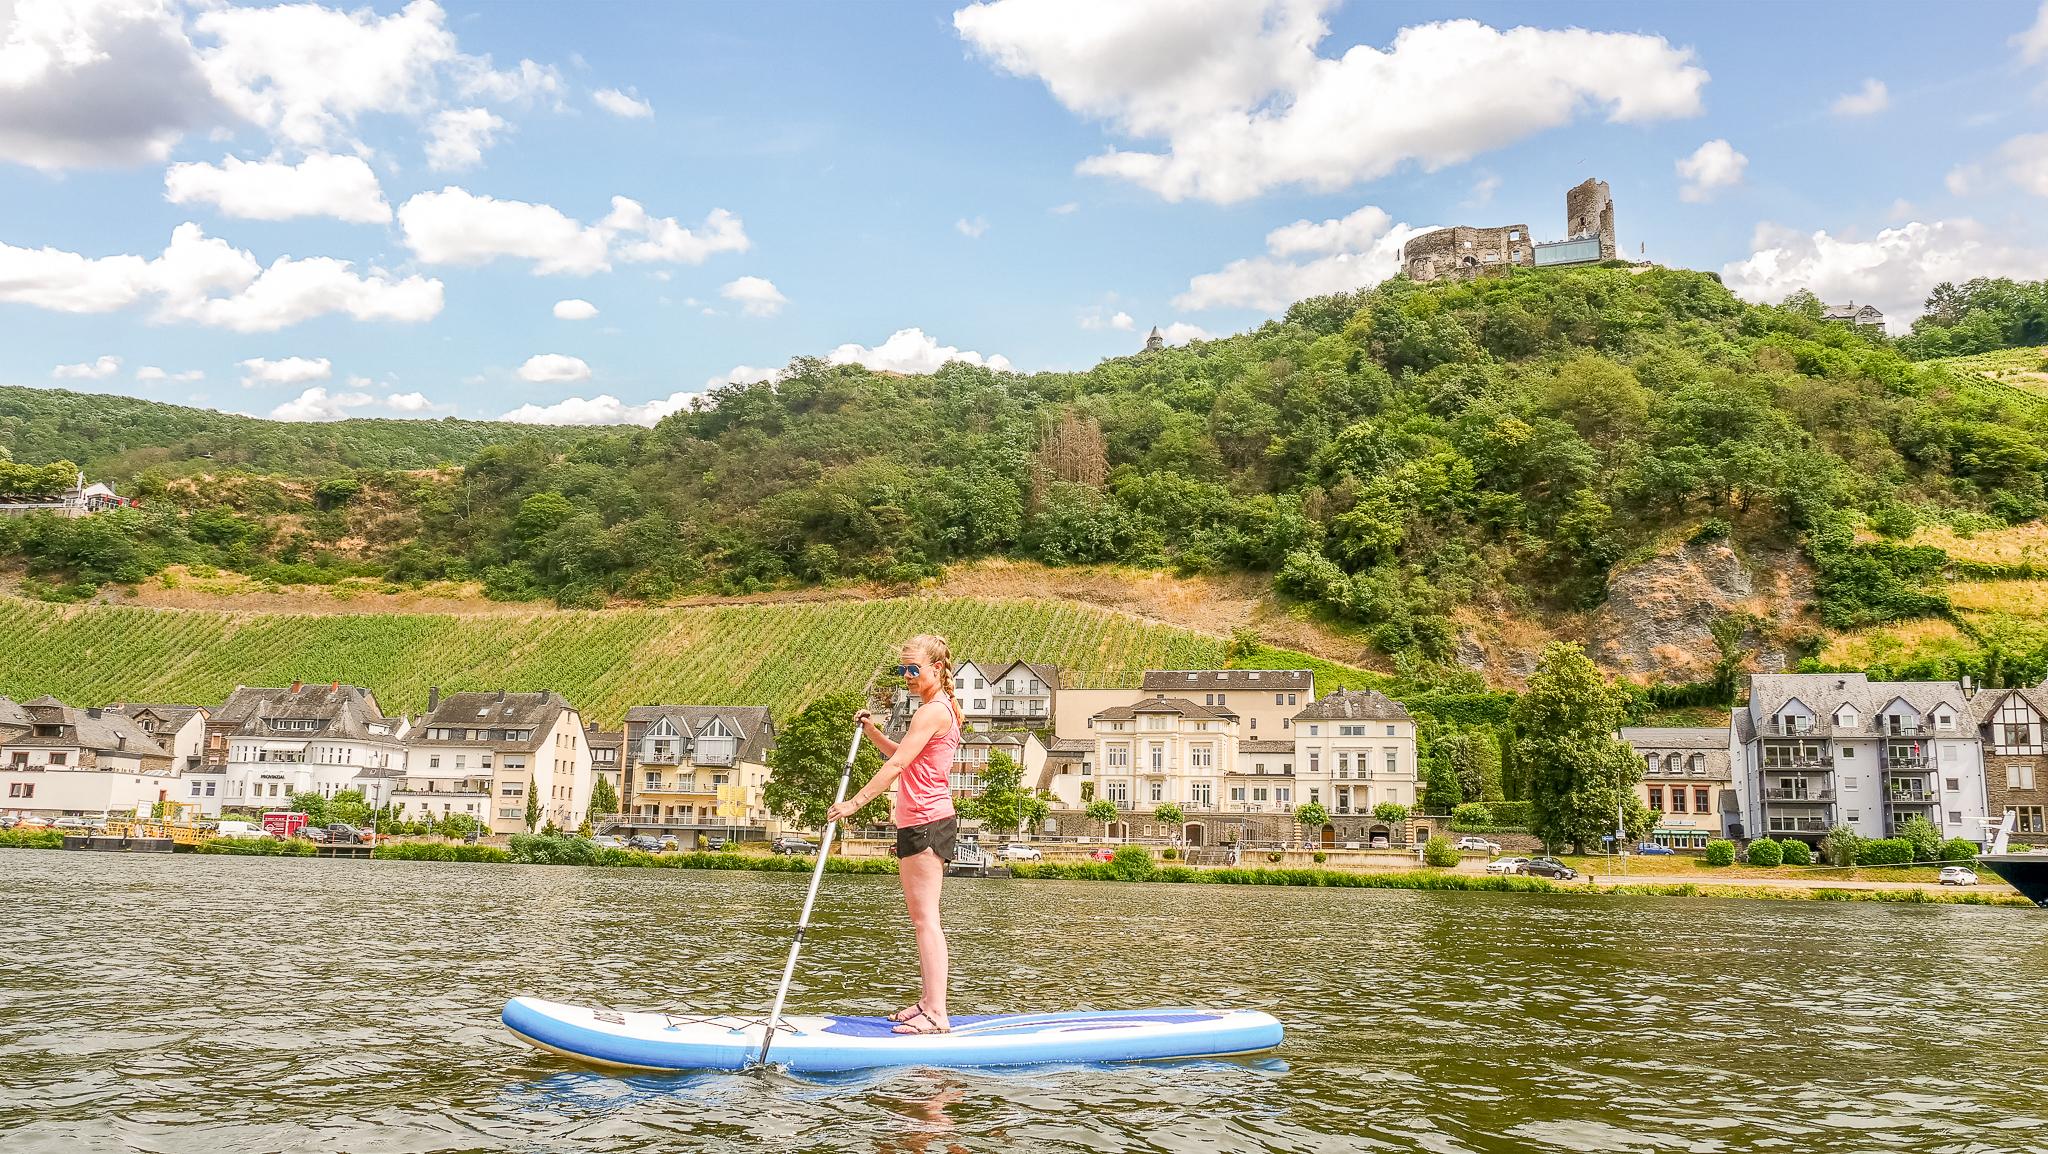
(827, 1043)
(2025, 872)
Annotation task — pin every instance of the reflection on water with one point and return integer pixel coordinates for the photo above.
(222, 1005)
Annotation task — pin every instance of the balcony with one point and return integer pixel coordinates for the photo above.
(1886, 728)
(1912, 797)
(1916, 762)
(1801, 796)
(1798, 825)
(1786, 727)
(1783, 761)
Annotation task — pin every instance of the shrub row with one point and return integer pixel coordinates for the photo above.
(258, 846)
(31, 839)
(1240, 875)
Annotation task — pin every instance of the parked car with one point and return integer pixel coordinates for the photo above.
(644, 844)
(1654, 850)
(342, 833)
(1506, 865)
(1101, 855)
(314, 833)
(1549, 867)
(71, 823)
(1018, 851)
(670, 843)
(716, 842)
(35, 820)
(1958, 876)
(1480, 844)
(1380, 843)
(790, 843)
(8, 821)
(607, 841)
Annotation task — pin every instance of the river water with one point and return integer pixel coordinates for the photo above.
(220, 1005)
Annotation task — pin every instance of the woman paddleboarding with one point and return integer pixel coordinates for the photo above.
(921, 768)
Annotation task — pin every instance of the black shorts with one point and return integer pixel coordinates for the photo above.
(936, 836)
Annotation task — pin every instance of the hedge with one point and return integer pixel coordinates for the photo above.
(1438, 851)
(1796, 852)
(258, 846)
(1957, 849)
(1882, 851)
(1720, 852)
(1332, 879)
(32, 838)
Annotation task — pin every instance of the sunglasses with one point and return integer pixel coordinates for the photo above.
(909, 670)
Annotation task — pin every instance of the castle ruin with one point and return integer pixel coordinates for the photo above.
(1463, 252)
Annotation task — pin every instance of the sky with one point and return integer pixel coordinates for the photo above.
(594, 213)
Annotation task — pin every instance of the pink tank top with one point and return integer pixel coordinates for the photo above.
(924, 790)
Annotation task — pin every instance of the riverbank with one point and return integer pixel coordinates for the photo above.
(538, 850)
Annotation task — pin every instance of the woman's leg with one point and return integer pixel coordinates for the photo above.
(922, 875)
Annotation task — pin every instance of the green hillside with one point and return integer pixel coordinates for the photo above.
(782, 656)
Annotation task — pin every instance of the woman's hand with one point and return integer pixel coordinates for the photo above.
(842, 810)
(864, 717)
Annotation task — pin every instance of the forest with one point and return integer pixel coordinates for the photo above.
(1388, 455)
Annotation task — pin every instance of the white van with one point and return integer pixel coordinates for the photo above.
(233, 828)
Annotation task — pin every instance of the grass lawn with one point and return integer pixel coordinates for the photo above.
(1694, 865)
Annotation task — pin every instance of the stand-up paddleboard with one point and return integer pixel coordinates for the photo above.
(825, 1043)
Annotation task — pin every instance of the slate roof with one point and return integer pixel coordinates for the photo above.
(1256, 746)
(494, 712)
(1184, 680)
(1072, 746)
(752, 724)
(1824, 693)
(604, 738)
(346, 711)
(1048, 674)
(1712, 743)
(1355, 705)
(174, 717)
(108, 733)
(1988, 701)
(1160, 703)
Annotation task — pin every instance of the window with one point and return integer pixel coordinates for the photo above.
(1158, 791)
(1391, 762)
(1237, 793)
(21, 789)
(1315, 761)
(980, 684)
(1259, 793)
(1351, 731)
(195, 789)
(1315, 795)
(1255, 725)
(1281, 795)
(1258, 767)
(1699, 801)
(653, 781)
(511, 789)
(59, 758)
(1343, 765)
(1119, 757)
(1657, 798)
(1955, 817)
(1199, 795)
(1954, 784)
(1677, 799)
(1220, 700)
(1208, 699)
(2029, 820)
(1849, 782)
(1944, 720)
(1848, 752)
(1120, 792)
(20, 758)
(1279, 699)
(1313, 730)
(2019, 775)
(1390, 731)
(1854, 815)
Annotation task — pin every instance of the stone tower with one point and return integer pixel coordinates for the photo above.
(1589, 211)
(1155, 342)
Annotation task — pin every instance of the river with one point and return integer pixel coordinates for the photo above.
(225, 1005)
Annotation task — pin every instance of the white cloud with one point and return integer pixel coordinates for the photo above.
(554, 367)
(459, 137)
(456, 226)
(574, 309)
(89, 371)
(342, 187)
(971, 229)
(1869, 100)
(1244, 103)
(1068, 209)
(1962, 179)
(87, 83)
(621, 104)
(1181, 332)
(2026, 162)
(1351, 252)
(1714, 165)
(756, 296)
(210, 282)
(1894, 271)
(743, 375)
(2033, 43)
(315, 404)
(1483, 190)
(475, 77)
(411, 403)
(152, 373)
(911, 351)
(603, 409)
(1095, 321)
(286, 371)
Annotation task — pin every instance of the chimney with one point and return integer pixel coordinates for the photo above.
(433, 698)
(120, 741)
(501, 695)
(1969, 689)
(297, 685)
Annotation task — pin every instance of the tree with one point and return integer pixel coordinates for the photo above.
(1580, 774)
(313, 805)
(1391, 812)
(350, 806)
(1922, 835)
(603, 799)
(1104, 811)
(1441, 791)
(803, 768)
(1840, 846)
(1036, 810)
(1311, 817)
(532, 803)
(1002, 799)
(1170, 815)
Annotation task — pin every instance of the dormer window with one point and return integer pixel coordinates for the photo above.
(1944, 720)
(1845, 717)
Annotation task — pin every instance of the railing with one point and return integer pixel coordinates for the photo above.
(1914, 761)
(1798, 825)
(1885, 729)
(1822, 761)
(1911, 797)
(1777, 728)
(1816, 796)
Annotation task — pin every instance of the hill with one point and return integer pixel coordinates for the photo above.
(780, 655)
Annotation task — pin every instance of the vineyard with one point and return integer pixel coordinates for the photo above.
(781, 656)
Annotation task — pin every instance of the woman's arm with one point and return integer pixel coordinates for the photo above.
(924, 725)
(866, 719)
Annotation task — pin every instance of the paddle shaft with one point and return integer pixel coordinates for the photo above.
(803, 920)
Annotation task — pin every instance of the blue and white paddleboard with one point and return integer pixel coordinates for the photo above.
(825, 1043)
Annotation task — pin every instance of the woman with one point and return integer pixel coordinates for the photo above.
(926, 826)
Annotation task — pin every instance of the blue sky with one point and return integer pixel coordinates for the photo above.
(1031, 180)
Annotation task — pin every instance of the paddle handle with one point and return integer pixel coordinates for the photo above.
(803, 920)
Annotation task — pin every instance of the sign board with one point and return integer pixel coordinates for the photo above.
(732, 801)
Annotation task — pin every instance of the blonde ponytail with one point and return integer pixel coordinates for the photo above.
(940, 655)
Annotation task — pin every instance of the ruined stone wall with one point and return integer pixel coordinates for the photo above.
(1589, 211)
(1465, 252)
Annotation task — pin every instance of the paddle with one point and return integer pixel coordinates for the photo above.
(803, 920)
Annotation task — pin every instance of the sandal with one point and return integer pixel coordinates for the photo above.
(913, 1012)
(910, 1028)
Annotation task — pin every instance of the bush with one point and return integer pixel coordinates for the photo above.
(441, 851)
(31, 838)
(1720, 852)
(1957, 849)
(1273, 856)
(1170, 854)
(1796, 852)
(1922, 835)
(258, 846)
(1321, 857)
(1765, 853)
(1512, 813)
(1439, 851)
(1471, 813)
(1840, 846)
(542, 849)
(1884, 851)
(1131, 863)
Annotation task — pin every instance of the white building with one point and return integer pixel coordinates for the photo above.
(1353, 751)
(303, 739)
(1022, 745)
(181, 729)
(1265, 700)
(1159, 750)
(1819, 750)
(486, 753)
(59, 761)
(1017, 693)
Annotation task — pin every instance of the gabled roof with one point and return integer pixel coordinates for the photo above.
(1825, 693)
(1072, 746)
(1160, 703)
(1355, 705)
(1049, 674)
(604, 738)
(751, 725)
(347, 710)
(1984, 707)
(495, 712)
(173, 717)
(94, 729)
(1676, 736)
(1188, 680)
